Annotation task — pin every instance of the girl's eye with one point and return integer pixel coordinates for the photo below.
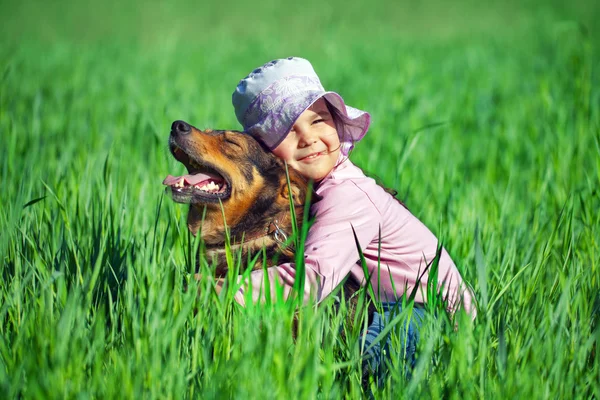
(317, 121)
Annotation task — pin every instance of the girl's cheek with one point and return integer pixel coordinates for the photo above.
(284, 153)
(279, 152)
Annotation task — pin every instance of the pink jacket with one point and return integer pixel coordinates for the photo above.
(350, 199)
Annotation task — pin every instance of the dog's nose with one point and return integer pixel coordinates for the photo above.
(180, 128)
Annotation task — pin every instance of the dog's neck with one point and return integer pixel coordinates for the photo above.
(272, 237)
(277, 227)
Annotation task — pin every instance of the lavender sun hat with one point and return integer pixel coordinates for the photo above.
(271, 98)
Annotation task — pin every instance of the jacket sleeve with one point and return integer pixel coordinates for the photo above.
(330, 249)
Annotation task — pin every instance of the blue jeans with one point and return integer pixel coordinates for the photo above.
(406, 328)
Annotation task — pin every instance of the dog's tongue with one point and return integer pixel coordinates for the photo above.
(171, 180)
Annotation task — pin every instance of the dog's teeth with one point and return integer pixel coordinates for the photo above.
(209, 187)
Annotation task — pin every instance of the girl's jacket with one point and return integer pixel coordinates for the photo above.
(349, 199)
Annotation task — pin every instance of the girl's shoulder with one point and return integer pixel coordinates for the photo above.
(346, 170)
(349, 184)
(345, 177)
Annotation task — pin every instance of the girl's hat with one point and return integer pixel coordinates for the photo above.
(269, 100)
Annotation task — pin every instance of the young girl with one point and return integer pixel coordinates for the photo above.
(284, 105)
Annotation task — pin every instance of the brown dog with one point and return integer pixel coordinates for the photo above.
(235, 185)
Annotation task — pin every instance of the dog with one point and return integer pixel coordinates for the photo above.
(236, 187)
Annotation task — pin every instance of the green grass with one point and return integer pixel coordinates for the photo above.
(486, 119)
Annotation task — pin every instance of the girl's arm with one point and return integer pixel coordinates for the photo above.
(330, 249)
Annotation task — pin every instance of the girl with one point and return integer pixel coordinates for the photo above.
(284, 105)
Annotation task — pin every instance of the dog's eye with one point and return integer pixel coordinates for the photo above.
(233, 142)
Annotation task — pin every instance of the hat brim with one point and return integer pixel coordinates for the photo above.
(354, 124)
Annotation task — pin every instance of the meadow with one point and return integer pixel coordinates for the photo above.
(486, 120)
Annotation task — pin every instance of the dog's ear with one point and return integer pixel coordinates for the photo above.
(298, 186)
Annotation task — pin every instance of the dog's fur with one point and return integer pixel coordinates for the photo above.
(254, 203)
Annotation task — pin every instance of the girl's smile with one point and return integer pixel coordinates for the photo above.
(311, 157)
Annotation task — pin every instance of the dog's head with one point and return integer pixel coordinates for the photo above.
(230, 175)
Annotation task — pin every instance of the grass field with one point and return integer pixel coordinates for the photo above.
(486, 119)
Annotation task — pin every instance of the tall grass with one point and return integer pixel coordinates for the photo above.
(486, 119)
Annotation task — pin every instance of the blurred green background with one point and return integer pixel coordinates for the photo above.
(294, 23)
(486, 119)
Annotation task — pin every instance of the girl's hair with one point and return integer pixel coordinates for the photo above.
(341, 122)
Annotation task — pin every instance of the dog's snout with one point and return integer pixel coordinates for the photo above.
(180, 128)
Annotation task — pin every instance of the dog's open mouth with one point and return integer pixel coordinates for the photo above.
(203, 184)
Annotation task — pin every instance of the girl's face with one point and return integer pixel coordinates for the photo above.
(312, 146)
